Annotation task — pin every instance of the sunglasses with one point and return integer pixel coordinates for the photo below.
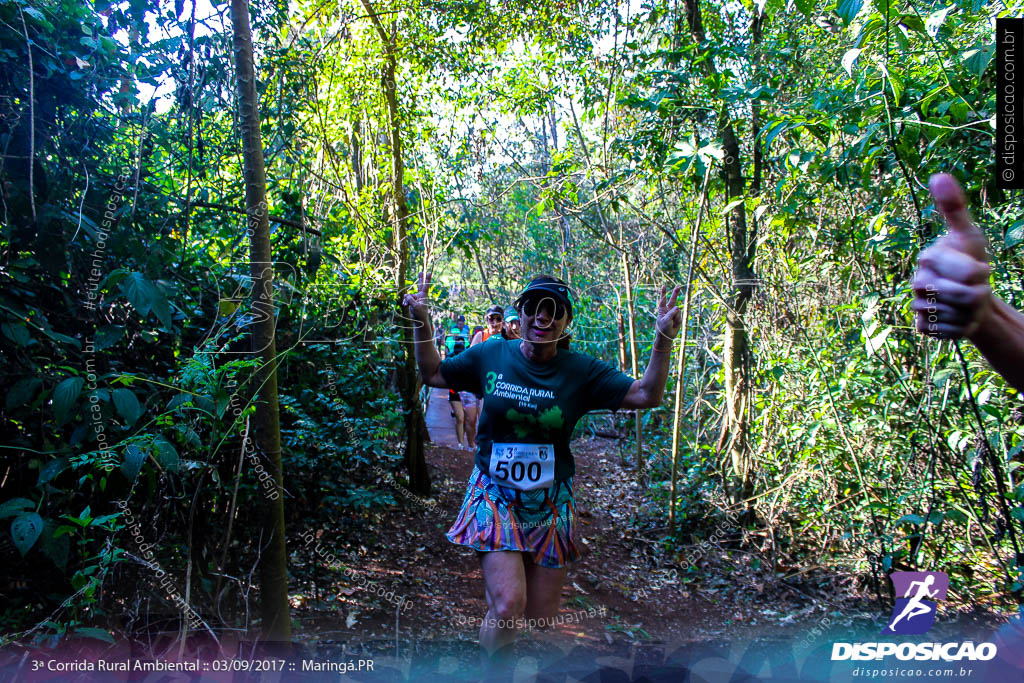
(494, 318)
(530, 306)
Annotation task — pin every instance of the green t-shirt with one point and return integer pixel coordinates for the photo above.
(533, 402)
(456, 331)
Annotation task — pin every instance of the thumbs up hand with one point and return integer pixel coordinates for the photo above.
(952, 296)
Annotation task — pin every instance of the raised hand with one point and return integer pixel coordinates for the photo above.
(952, 296)
(669, 316)
(417, 301)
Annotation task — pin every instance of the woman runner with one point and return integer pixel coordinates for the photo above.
(511, 327)
(494, 320)
(519, 510)
(471, 406)
(456, 330)
(455, 401)
(439, 336)
(495, 323)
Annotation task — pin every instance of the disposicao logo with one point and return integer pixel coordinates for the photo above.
(914, 614)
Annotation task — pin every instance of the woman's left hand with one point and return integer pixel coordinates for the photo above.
(670, 318)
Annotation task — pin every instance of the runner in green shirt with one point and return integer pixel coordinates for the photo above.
(529, 401)
(511, 328)
(456, 330)
(519, 510)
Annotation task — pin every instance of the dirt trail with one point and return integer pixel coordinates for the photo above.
(424, 593)
(730, 597)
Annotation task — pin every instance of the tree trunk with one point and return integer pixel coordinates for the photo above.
(409, 377)
(737, 342)
(274, 608)
(357, 153)
(736, 425)
(634, 364)
(556, 204)
(622, 338)
(680, 362)
(483, 273)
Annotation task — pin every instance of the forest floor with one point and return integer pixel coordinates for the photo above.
(734, 595)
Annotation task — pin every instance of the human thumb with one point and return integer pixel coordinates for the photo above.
(963, 234)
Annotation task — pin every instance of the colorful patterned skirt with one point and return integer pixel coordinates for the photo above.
(538, 522)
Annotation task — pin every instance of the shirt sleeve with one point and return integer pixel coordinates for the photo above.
(606, 386)
(462, 372)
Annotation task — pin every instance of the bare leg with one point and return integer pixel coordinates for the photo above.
(460, 418)
(471, 427)
(505, 586)
(543, 590)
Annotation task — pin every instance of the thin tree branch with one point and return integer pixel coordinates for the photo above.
(31, 117)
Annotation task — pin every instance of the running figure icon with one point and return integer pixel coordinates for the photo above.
(916, 606)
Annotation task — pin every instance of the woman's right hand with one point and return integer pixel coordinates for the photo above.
(417, 301)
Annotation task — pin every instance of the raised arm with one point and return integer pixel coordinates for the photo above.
(648, 391)
(427, 357)
(953, 298)
(1000, 338)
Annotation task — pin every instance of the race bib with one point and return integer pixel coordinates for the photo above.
(523, 466)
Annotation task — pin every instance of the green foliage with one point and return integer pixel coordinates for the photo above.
(124, 314)
(541, 138)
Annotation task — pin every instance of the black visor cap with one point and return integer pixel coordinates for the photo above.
(543, 287)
